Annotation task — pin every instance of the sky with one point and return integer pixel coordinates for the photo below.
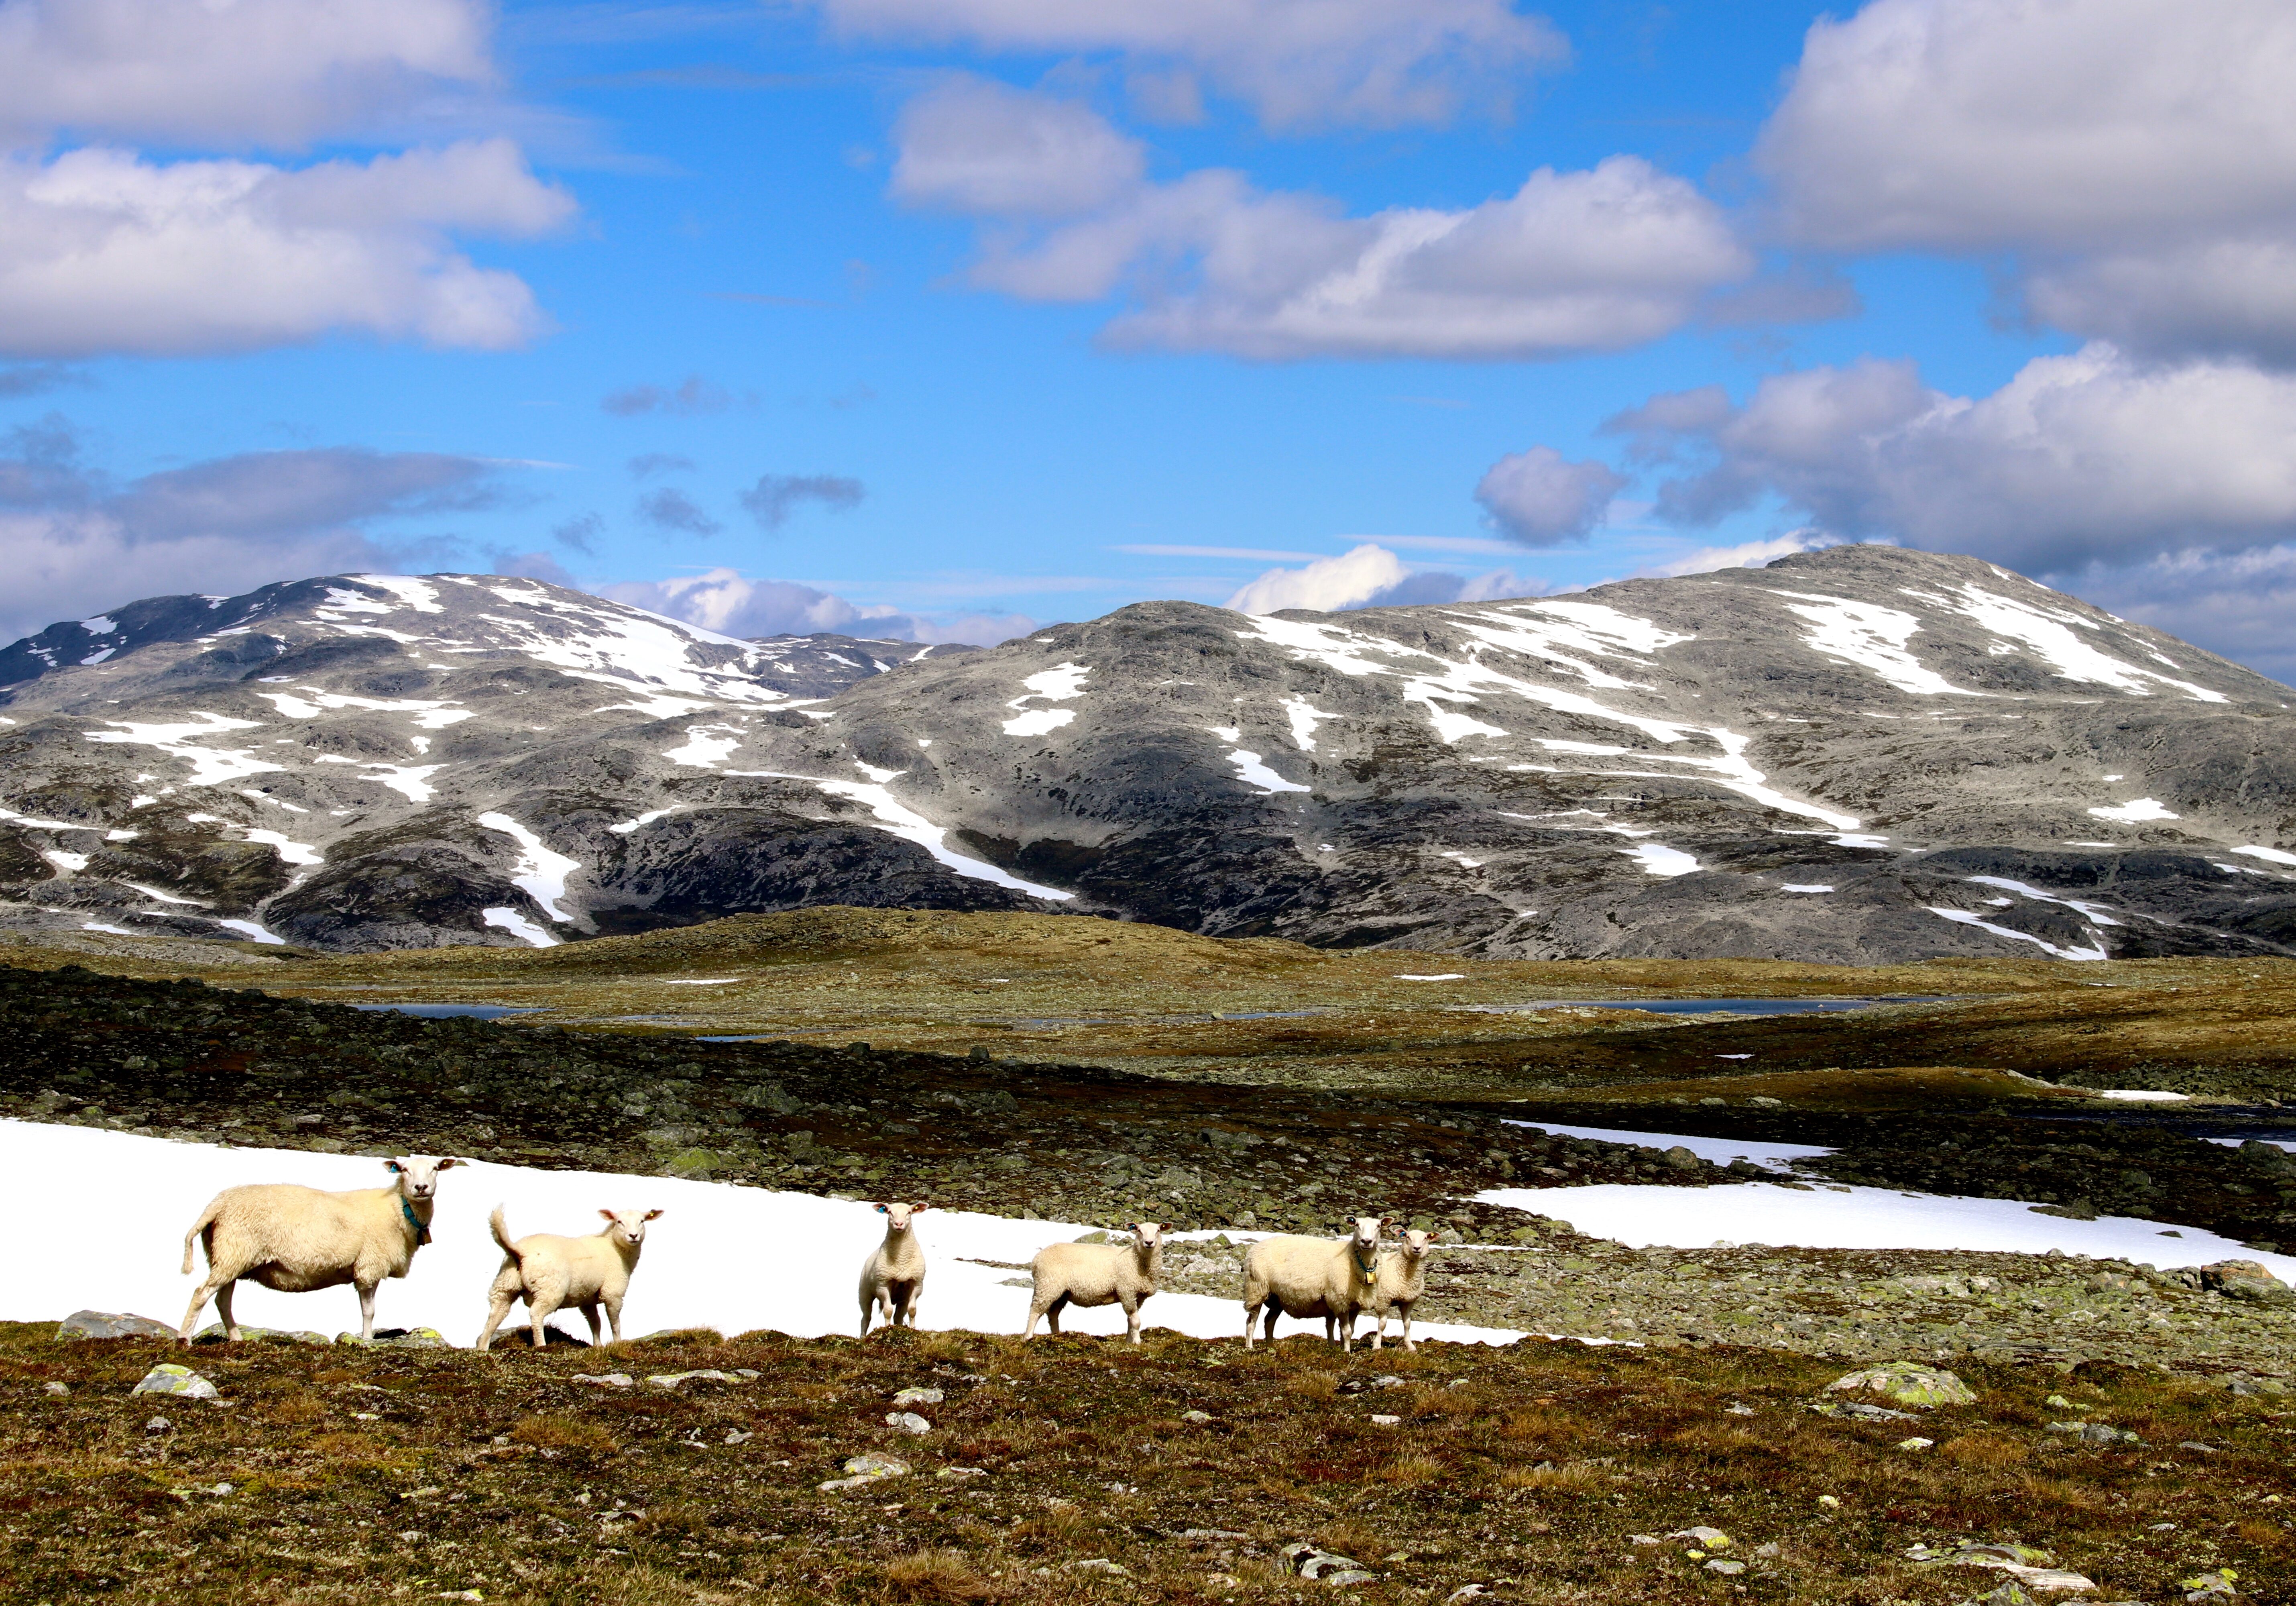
(945, 320)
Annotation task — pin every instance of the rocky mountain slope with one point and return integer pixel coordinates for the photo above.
(1853, 755)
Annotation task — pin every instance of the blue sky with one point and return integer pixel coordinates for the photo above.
(946, 318)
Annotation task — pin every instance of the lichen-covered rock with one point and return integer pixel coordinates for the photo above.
(861, 1471)
(1909, 1383)
(213, 1333)
(167, 1378)
(109, 1324)
(2246, 1279)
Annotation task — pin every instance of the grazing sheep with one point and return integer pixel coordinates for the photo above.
(1123, 1273)
(296, 1238)
(1333, 1279)
(551, 1273)
(893, 1277)
(1402, 1279)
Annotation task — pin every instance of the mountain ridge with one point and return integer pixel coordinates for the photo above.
(1854, 755)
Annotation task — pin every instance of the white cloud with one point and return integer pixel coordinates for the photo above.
(1370, 576)
(1540, 498)
(2138, 155)
(2236, 605)
(1297, 62)
(102, 252)
(1744, 555)
(726, 601)
(272, 72)
(976, 146)
(1572, 262)
(2087, 458)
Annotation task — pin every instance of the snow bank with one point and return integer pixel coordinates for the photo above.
(125, 1201)
(1720, 1151)
(1864, 1218)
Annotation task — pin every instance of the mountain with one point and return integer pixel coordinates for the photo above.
(1859, 754)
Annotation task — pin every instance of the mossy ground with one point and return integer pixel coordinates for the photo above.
(358, 1476)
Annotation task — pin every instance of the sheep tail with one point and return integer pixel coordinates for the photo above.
(502, 1233)
(207, 1219)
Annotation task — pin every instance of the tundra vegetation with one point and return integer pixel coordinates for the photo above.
(1081, 1070)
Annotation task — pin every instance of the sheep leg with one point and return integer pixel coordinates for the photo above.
(212, 1289)
(1273, 1309)
(1132, 1320)
(223, 1309)
(539, 1309)
(613, 1316)
(1250, 1315)
(497, 1308)
(1378, 1338)
(1407, 1344)
(366, 1312)
(1348, 1334)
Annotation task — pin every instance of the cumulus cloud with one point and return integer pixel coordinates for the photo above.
(103, 251)
(1595, 260)
(78, 543)
(2138, 156)
(1370, 576)
(1744, 555)
(697, 395)
(1539, 497)
(973, 145)
(646, 465)
(669, 508)
(2236, 605)
(268, 72)
(775, 497)
(2095, 457)
(726, 601)
(1297, 62)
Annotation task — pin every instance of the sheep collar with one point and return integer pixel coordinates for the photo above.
(422, 1232)
(1367, 1265)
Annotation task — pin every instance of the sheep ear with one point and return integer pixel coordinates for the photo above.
(606, 1212)
(393, 1166)
(650, 1214)
(879, 1209)
(914, 1209)
(448, 1163)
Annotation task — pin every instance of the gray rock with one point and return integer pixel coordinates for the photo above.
(609, 1379)
(109, 1324)
(213, 1333)
(168, 1378)
(918, 1396)
(1908, 1383)
(52, 1386)
(861, 1471)
(678, 1380)
(159, 1424)
(908, 1421)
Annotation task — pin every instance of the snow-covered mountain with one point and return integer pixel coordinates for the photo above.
(1856, 754)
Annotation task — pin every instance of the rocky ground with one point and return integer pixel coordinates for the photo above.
(1076, 1470)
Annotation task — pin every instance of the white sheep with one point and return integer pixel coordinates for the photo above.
(1123, 1273)
(1331, 1278)
(551, 1273)
(893, 1277)
(1402, 1279)
(296, 1238)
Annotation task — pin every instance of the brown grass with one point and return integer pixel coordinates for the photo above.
(941, 1574)
(570, 1433)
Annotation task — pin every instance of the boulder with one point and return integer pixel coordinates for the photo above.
(167, 1378)
(109, 1324)
(2248, 1280)
(1908, 1383)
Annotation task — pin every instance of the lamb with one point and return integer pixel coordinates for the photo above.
(1123, 1273)
(1333, 1279)
(1402, 1279)
(551, 1273)
(893, 1277)
(296, 1238)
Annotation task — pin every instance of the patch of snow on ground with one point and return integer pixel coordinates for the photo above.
(420, 595)
(253, 931)
(2269, 855)
(2135, 813)
(2090, 911)
(1864, 1218)
(1871, 638)
(1256, 774)
(1720, 1151)
(99, 626)
(1565, 634)
(13, 817)
(2142, 1095)
(647, 818)
(706, 746)
(210, 766)
(1305, 716)
(700, 981)
(2049, 633)
(1962, 917)
(411, 781)
(74, 862)
(2282, 1144)
(509, 919)
(291, 852)
(594, 639)
(1448, 975)
(903, 821)
(1852, 839)
(1658, 860)
(540, 873)
(125, 1246)
(1793, 886)
(1038, 721)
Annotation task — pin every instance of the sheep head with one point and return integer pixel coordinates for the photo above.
(1147, 1237)
(629, 1226)
(418, 1179)
(1367, 1231)
(1416, 1242)
(897, 1216)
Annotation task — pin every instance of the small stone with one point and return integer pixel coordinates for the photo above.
(1727, 1569)
(167, 1378)
(908, 1421)
(735, 1436)
(1466, 1592)
(1385, 1421)
(52, 1387)
(1102, 1565)
(673, 1379)
(919, 1397)
(159, 1424)
(1916, 1444)
(961, 1472)
(607, 1380)
(1909, 1383)
(1197, 1417)
(1832, 1502)
(1712, 1538)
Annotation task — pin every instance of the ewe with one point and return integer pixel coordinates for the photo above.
(893, 1277)
(1402, 1279)
(1088, 1274)
(296, 1238)
(551, 1273)
(1313, 1277)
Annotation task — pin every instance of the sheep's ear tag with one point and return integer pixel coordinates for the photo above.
(393, 1166)
(652, 1214)
(879, 1209)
